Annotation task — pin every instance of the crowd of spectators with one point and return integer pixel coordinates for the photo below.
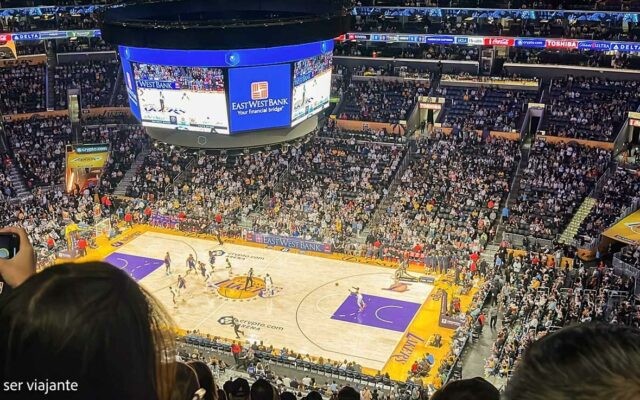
(461, 25)
(82, 44)
(95, 79)
(331, 190)
(620, 195)
(424, 52)
(155, 176)
(376, 100)
(555, 182)
(448, 200)
(586, 58)
(227, 186)
(631, 255)
(22, 88)
(31, 48)
(485, 107)
(201, 79)
(7, 190)
(66, 20)
(125, 141)
(590, 108)
(537, 294)
(39, 148)
(602, 5)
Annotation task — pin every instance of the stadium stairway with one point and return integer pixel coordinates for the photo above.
(515, 185)
(51, 67)
(382, 206)
(18, 181)
(121, 189)
(572, 229)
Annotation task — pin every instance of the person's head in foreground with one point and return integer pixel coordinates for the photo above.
(263, 390)
(467, 389)
(89, 324)
(348, 393)
(582, 362)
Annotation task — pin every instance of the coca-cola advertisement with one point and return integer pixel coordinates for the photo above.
(499, 41)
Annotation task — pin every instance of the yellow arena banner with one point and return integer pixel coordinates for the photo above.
(7, 45)
(91, 160)
(627, 230)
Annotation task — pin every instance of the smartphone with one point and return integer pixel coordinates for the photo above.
(9, 246)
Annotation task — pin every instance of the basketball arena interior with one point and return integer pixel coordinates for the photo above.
(329, 199)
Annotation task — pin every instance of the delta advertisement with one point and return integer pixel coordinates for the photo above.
(259, 97)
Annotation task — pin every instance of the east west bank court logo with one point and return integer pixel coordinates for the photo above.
(259, 90)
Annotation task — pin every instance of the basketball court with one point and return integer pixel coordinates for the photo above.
(311, 311)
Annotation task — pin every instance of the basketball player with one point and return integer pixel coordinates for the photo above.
(173, 295)
(236, 328)
(212, 260)
(191, 264)
(161, 101)
(229, 267)
(167, 263)
(249, 281)
(268, 285)
(203, 269)
(359, 299)
(182, 283)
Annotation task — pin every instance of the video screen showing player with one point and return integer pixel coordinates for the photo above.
(191, 98)
(312, 86)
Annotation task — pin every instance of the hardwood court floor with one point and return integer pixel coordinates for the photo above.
(311, 312)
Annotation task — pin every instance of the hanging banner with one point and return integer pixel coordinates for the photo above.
(94, 160)
(627, 230)
(8, 45)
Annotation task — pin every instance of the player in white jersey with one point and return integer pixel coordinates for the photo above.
(268, 285)
(359, 299)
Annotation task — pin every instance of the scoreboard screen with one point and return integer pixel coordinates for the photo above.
(191, 98)
(228, 91)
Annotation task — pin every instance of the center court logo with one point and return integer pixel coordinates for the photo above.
(234, 288)
(259, 90)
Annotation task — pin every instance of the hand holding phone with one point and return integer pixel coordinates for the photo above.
(17, 259)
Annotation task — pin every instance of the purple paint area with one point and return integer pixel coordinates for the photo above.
(380, 312)
(136, 266)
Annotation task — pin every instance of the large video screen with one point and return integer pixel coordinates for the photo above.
(191, 98)
(259, 97)
(311, 86)
(227, 91)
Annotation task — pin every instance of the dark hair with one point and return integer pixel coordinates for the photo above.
(186, 382)
(348, 393)
(467, 389)
(287, 396)
(92, 324)
(314, 395)
(205, 378)
(582, 362)
(263, 390)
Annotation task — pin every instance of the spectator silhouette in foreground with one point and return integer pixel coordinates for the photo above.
(89, 324)
(582, 362)
(467, 389)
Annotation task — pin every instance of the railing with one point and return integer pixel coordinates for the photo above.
(518, 240)
(624, 268)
